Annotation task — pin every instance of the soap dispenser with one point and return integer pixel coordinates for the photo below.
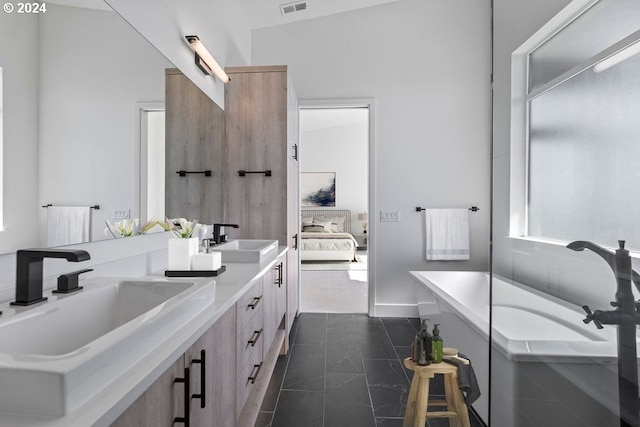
(437, 345)
(423, 345)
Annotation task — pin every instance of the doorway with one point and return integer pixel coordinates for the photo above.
(335, 141)
(151, 162)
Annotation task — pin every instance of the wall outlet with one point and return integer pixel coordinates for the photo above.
(389, 216)
(121, 214)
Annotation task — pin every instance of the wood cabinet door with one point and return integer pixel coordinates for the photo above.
(160, 404)
(270, 301)
(256, 140)
(281, 290)
(194, 142)
(293, 287)
(212, 358)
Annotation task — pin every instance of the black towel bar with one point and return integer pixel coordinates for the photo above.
(244, 172)
(96, 207)
(185, 173)
(472, 209)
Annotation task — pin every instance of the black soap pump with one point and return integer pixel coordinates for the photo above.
(423, 345)
(437, 345)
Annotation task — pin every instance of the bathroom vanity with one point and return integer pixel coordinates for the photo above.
(207, 362)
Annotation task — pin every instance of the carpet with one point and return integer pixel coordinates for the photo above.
(337, 291)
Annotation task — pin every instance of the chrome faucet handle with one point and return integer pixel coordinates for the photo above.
(591, 317)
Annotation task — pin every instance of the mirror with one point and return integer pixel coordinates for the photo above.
(77, 83)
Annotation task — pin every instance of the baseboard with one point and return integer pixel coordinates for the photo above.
(395, 310)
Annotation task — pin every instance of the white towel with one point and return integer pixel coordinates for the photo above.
(67, 225)
(447, 234)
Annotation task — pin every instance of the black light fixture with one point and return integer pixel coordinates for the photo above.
(205, 61)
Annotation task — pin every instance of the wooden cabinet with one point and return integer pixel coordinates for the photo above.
(211, 361)
(275, 290)
(261, 135)
(250, 340)
(194, 143)
(217, 366)
(160, 404)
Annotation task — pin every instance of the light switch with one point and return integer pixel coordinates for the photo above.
(389, 216)
(121, 214)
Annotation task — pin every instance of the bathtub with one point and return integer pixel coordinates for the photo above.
(547, 366)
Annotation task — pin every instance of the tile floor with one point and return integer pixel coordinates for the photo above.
(344, 370)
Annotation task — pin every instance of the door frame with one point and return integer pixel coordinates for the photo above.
(370, 104)
(140, 157)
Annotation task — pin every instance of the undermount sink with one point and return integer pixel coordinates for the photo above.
(55, 356)
(247, 250)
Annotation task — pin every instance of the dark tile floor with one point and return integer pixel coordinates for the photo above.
(344, 370)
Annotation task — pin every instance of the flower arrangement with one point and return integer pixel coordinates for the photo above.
(123, 228)
(183, 228)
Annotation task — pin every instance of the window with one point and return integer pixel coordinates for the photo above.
(581, 123)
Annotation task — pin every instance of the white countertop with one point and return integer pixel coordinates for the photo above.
(115, 397)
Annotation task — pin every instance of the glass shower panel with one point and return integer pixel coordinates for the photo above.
(581, 146)
(583, 38)
(584, 158)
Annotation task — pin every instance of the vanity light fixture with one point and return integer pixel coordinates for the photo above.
(205, 61)
(618, 57)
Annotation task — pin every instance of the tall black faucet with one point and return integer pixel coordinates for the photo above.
(29, 271)
(626, 317)
(219, 238)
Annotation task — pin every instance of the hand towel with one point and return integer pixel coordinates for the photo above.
(67, 225)
(447, 234)
(466, 378)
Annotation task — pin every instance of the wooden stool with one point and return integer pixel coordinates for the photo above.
(418, 402)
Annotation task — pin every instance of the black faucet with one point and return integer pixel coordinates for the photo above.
(220, 238)
(626, 316)
(29, 271)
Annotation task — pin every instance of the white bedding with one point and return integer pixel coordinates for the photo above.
(327, 241)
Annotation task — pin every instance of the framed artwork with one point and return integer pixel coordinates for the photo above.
(318, 189)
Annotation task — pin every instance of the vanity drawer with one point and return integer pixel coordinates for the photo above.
(248, 305)
(250, 337)
(248, 375)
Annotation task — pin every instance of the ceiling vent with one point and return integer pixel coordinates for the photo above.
(288, 8)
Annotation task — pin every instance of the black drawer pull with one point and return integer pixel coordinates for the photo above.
(279, 278)
(255, 338)
(187, 398)
(256, 301)
(253, 377)
(203, 378)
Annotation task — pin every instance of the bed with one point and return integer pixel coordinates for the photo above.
(326, 236)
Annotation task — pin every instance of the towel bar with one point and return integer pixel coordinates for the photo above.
(472, 209)
(96, 207)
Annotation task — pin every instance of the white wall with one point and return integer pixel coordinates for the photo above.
(19, 60)
(221, 25)
(95, 68)
(427, 65)
(579, 277)
(345, 151)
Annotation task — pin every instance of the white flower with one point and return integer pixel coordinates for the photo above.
(183, 228)
(123, 228)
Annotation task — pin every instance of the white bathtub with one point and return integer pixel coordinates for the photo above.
(548, 367)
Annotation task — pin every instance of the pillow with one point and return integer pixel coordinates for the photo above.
(313, 228)
(337, 224)
(325, 224)
(306, 220)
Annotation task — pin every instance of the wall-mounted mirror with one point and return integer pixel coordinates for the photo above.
(78, 81)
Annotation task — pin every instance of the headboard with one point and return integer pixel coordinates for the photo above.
(330, 213)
